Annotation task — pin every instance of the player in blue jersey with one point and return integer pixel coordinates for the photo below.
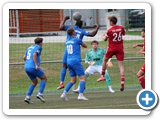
(33, 70)
(80, 33)
(74, 64)
(94, 58)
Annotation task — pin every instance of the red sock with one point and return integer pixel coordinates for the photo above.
(122, 79)
(103, 72)
(142, 81)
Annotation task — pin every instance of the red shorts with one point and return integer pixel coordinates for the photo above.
(143, 67)
(118, 52)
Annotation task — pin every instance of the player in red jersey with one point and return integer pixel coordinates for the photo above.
(141, 72)
(115, 47)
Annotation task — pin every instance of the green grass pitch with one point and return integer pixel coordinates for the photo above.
(95, 91)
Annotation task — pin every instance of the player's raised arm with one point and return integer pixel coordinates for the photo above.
(139, 45)
(62, 26)
(94, 32)
(84, 45)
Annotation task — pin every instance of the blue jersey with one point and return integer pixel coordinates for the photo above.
(29, 63)
(80, 33)
(73, 50)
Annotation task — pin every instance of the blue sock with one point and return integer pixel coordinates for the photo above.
(68, 86)
(42, 86)
(82, 86)
(108, 81)
(86, 75)
(30, 89)
(63, 74)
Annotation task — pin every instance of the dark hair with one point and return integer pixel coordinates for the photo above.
(38, 40)
(143, 30)
(70, 31)
(94, 41)
(113, 19)
(79, 23)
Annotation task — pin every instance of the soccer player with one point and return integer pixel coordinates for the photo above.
(115, 47)
(33, 70)
(94, 58)
(80, 33)
(74, 64)
(141, 72)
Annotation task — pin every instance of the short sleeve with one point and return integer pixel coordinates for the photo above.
(85, 33)
(87, 57)
(38, 50)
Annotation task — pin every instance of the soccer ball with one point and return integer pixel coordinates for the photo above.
(77, 16)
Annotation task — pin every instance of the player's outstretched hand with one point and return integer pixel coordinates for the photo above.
(37, 67)
(142, 51)
(134, 46)
(104, 37)
(66, 18)
(92, 63)
(96, 25)
(109, 64)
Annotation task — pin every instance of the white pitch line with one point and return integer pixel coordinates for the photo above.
(105, 106)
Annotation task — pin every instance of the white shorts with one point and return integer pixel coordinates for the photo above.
(92, 69)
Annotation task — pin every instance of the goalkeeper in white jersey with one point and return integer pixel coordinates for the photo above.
(94, 57)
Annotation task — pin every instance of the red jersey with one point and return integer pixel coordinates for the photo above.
(114, 35)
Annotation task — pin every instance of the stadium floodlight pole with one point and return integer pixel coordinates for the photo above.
(17, 23)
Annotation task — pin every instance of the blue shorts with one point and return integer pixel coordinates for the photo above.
(75, 69)
(33, 73)
(64, 59)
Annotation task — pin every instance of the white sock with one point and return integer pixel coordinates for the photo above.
(39, 93)
(78, 88)
(28, 97)
(80, 94)
(109, 87)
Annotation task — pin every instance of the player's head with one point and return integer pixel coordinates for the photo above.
(94, 44)
(71, 32)
(38, 41)
(112, 20)
(143, 32)
(79, 23)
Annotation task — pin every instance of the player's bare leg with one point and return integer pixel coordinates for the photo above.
(41, 88)
(121, 67)
(62, 77)
(141, 78)
(104, 66)
(30, 91)
(67, 88)
(77, 90)
(82, 87)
